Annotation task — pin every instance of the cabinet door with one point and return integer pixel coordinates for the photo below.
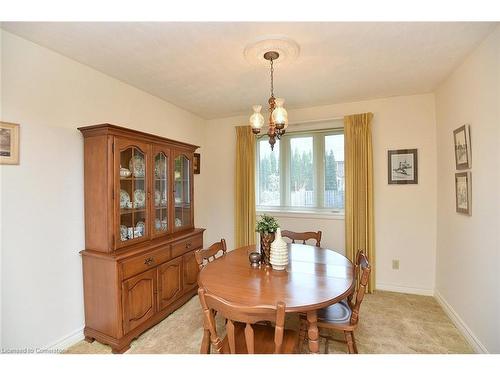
(139, 299)
(190, 271)
(161, 191)
(132, 191)
(169, 282)
(183, 190)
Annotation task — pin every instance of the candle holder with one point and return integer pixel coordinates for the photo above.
(254, 258)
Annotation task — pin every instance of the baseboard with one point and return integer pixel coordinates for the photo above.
(471, 338)
(404, 289)
(66, 341)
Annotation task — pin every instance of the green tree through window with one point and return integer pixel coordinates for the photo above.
(313, 175)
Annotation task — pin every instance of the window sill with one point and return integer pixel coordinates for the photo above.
(302, 214)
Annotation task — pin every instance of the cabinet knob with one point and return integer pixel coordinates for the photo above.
(188, 245)
(148, 261)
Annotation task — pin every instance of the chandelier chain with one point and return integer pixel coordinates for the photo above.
(272, 79)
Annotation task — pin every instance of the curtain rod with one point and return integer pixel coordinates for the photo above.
(299, 132)
(291, 131)
(313, 121)
(310, 121)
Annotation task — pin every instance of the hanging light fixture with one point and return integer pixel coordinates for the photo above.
(278, 117)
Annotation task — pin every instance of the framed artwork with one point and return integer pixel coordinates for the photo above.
(402, 166)
(196, 163)
(461, 137)
(9, 143)
(463, 192)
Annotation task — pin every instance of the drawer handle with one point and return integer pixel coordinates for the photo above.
(148, 261)
(188, 245)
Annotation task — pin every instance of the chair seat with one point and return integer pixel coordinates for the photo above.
(263, 340)
(339, 313)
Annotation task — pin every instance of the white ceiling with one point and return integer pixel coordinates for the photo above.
(201, 67)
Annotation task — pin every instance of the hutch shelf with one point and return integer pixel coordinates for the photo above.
(138, 262)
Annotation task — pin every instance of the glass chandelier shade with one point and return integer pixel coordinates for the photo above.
(256, 119)
(280, 115)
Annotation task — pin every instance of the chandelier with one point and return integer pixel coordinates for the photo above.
(278, 117)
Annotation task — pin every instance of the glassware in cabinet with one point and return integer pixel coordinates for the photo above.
(161, 188)
(133, 193)
(182, 192)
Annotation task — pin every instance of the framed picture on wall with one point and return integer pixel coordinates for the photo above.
(9, 143)
(196, 163)
(463, 193)
(402, 166)
(461, 137)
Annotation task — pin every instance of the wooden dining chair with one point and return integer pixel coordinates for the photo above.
(205, 256)
(304, 236)
(243, 335)
(303, 316)
(359, 256)
(344, 316)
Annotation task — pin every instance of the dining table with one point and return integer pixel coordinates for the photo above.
(314, 278)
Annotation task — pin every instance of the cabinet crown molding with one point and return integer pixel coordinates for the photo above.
(110, 129)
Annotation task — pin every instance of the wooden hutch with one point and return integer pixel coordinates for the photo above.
(138, 262)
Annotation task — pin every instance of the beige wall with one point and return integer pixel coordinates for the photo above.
(468, 248)
(42, 198)
(405, 216)
(1, 194)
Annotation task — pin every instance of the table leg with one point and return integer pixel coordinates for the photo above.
(312, 332)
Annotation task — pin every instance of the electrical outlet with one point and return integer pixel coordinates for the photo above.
(395, 264)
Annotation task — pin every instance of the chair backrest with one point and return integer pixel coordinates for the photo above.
(364, 276)
(242, 314)
(304, 236)
(204, 256)
(357, 260)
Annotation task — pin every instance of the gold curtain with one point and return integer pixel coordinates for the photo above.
(245, 187)
(359, 189)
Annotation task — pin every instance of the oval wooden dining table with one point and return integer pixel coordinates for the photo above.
(315, 278)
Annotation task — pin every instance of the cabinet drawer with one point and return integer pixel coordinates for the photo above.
(186, 245)
(145, 261)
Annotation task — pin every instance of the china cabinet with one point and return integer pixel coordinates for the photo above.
(138, 262)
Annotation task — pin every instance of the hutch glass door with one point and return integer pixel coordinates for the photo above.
(133, 202)
(182, 192)
(160, 201)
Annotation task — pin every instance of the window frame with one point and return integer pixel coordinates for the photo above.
(318, 136)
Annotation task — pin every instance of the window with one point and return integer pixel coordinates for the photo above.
(269, 174)
(305, 172)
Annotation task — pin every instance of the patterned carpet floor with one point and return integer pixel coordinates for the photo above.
(390, 323)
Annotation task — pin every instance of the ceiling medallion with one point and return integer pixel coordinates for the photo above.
(287, 49)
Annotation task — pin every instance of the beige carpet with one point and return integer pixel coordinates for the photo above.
(389, 323)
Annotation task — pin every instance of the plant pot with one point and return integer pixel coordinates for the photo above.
(265, 246)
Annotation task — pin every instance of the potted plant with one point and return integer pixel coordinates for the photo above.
(266, 226)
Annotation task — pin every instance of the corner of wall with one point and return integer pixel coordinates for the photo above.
(466, 245)
(1, 227)
(464, 329)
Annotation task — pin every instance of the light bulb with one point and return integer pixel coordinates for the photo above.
(256, 120)
(280, 116)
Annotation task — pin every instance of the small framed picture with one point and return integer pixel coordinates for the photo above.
(9, 143)
(196, 163)
(461, 137)
(402, 166)
(463, 192)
